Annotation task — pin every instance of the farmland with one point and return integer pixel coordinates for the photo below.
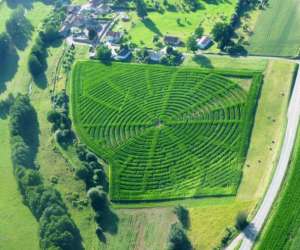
(275, 33)
(282, 231)
(116, 113)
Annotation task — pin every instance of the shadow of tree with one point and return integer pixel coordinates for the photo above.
(203, 61)
(8, 68)
(30, 133)
(108, 221)
(149, 24)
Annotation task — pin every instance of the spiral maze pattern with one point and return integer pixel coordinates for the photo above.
(166, 132)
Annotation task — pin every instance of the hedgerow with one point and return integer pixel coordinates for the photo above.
(166, 132)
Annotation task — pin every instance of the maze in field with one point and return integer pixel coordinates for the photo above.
(166, 132)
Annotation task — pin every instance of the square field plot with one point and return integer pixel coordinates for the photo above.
(166, 132)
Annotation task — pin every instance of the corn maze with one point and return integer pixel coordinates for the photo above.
(166, 132)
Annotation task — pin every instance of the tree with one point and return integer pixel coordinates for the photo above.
(4, 44)
(177, 239)
(222, 33)
(98, 198)
(241, 221)
(50, 33)
(192, 43)
(92, 34)
(103, 53)
(53, 116)
(199, 31)
(19, 28)
(182, 215)
(141, 8)
(35, 66)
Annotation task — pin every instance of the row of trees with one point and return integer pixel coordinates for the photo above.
(57, 230)
(90, 170)
(37, 61)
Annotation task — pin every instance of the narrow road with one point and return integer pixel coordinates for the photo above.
(249, 235)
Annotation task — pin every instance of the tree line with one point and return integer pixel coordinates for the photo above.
(56, 228)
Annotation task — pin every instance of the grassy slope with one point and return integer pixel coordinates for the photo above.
(276, 31)
(272, 106)
(166, 23)
(12, 211)
(282, 230)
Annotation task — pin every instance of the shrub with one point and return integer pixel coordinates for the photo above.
(241, 221)
(182, 215)
(98, 198)
(177, 239)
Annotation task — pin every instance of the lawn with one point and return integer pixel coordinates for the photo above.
(276, 31)
(125, 106)
(12, 210)
(167, 23)
(282, 229)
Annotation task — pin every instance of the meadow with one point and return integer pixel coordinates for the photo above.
(176, 21)
(276, 30)
(165, 110)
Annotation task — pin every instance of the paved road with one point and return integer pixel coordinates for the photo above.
(249, 235)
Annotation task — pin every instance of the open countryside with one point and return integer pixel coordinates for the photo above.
(149, 124)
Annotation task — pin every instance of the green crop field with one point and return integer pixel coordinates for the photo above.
(276, 31)
(166, 132)
(282, 231)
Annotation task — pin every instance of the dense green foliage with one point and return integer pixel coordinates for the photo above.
(57, 230)
(282, 232)
(103, 53)
(183, 215)
(178, 239)
(19, 28)
(4, 44)
(167, 133)
(141, 8)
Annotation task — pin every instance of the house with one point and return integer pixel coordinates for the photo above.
(113, 36)
(156, 56)
(204, 42)
(123, 54)
(172, 40)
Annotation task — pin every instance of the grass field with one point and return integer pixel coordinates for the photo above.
(166, 23)
(268, 130)
(282, 230)
(117, 113)
(13, 78)
(12, 210)
(276, 31)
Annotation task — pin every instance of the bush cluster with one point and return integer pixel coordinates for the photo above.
(57, 230)
(5, 105)
(61, 123)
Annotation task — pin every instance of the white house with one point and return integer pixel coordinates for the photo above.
(203, 42)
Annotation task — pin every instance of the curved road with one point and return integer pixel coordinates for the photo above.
(249, 235)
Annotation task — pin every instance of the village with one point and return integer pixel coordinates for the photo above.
(93, 23)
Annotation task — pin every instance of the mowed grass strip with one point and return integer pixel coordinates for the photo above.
(276, 31)
(167, 132)
(283, 227)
